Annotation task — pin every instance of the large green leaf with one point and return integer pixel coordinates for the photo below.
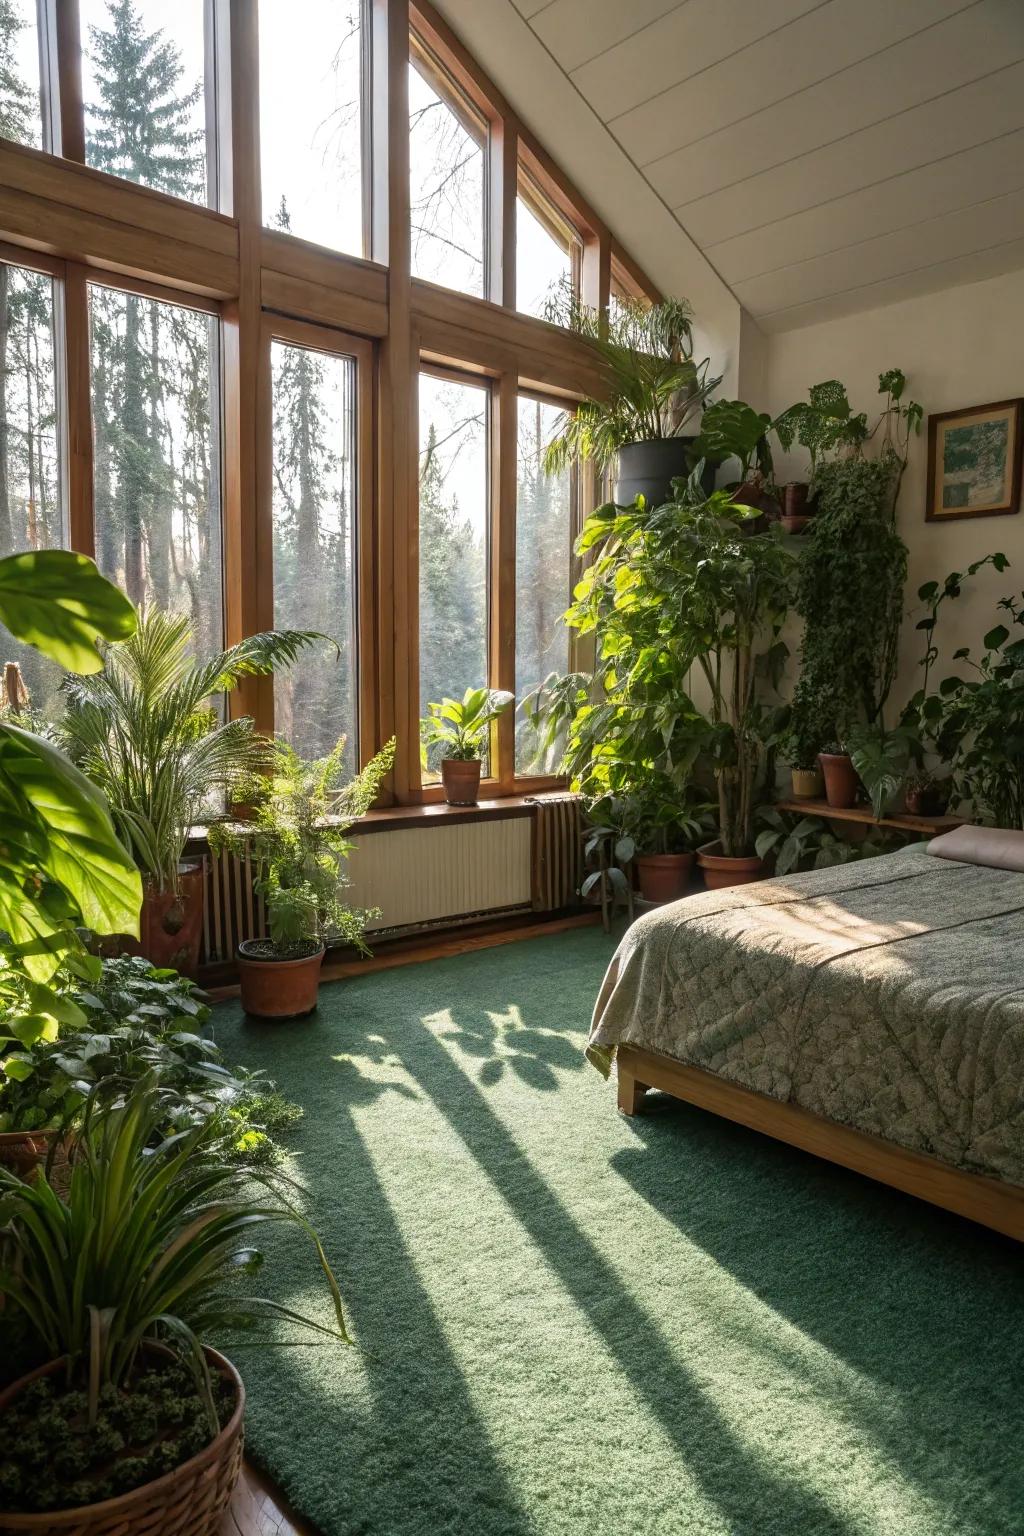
(59, 602)
(83, 854)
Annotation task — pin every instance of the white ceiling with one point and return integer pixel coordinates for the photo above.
(824, 155)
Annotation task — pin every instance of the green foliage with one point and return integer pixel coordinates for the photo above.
(654, 387)
(882, 760)
(849, 593)
(732, 429)
(18, 105)
(146, 731)
(809, 726)
(58, 602)
(688, 585)
(142, 1246)
(296, 839)
(461, 727)
(797, 843)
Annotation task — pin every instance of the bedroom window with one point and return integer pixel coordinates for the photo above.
(447, 171)
(157, 454)
(548, 252)
(454, 499)
(312, 120)
(145, 94)
(545, 528)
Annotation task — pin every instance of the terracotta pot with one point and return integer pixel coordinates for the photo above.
(808, 783)
(663, 876)
(794, 499)
(792, 524)
(22, 1151)
(274, 988)
(461, 779)
(171, 926)
(720, 872)
(193, 1498)
(841, 781)
(930, 800)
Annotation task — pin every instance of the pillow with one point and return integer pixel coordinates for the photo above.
(994, 847)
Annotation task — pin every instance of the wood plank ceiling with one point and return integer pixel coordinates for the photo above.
(825, 155)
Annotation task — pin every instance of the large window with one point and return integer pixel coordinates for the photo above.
(454, 499)
(547, 260)
(20, 114)
(447, 201)
(143, 84)
(31, 478)
(315, 512)
(545, 526)
(156, 455)
(311, 120)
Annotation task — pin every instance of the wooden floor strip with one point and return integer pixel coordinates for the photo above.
(257, 1509)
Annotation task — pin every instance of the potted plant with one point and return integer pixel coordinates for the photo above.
(132, 1422)
(659, 829)
(461, 728)
(841, 782)
(296, 840)
(654, 393)
(802, 743)
(146, 730)
(927, 794)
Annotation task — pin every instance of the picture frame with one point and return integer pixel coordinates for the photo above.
(975, 459)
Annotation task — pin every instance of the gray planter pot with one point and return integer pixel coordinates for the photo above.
(648, 469)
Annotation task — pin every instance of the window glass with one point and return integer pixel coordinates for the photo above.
(544, 268)
(311, 120)
(20, 107)
(544, 539)
(156, 455)
(31, 479)
(454, 497)
(446, 183)
(143, 65)
(314, 510)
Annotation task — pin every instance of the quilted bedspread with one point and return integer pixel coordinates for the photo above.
(887, 995)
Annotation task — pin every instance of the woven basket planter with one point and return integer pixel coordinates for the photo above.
(190, 1501)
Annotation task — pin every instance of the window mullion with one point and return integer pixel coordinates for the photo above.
(502, 656)
(61, 73)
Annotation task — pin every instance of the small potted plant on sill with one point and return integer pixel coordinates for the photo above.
(809, 723)
(131, 1422)
(841, 781)
(461, 728)
(296, 838)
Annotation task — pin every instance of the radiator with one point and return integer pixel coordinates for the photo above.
(557, 851)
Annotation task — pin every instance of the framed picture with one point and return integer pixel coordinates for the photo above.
(974, 461)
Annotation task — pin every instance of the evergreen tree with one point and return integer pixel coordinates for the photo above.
(453, 588)
(18, 105)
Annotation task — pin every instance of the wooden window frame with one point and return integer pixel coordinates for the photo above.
(81, 224)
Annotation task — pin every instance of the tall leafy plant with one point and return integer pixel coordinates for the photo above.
(146, 730)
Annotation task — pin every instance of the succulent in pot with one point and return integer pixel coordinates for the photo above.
(132, 1421)
(296, 839)
(461, 730)
(145, 731)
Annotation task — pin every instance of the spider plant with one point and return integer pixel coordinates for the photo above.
(145, 1246)
(655, 389)
(145, 731)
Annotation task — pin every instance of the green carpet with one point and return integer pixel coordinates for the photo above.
(570, 1322)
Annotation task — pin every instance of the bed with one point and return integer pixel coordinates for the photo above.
(871, 1013)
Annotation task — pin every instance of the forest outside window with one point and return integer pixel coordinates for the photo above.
(144, 90)
(447, 189)
(157, 456)
(21, 117)
(316, 512)
(548, 254)
(545, 530)
(311, 120)
(454, 501)
(32, 496)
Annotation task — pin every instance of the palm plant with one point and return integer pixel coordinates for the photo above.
(655, 389)
(145, 731)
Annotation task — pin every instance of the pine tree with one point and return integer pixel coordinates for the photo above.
(18, 106)
(453, 588)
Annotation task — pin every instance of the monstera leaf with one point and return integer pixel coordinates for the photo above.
(58, 602)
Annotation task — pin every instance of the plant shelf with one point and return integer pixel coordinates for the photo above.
(929, 826)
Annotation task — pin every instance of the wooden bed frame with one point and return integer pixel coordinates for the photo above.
(988, 1201)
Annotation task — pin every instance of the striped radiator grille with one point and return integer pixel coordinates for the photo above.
(557, 852)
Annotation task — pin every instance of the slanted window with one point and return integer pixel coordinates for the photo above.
(311, 120)
(32, 500)
(315, 517)
(548, 253)
(144, 88)
(454, 499)
(447, 165)
(545, 529)
(20, 100)
(156, 455)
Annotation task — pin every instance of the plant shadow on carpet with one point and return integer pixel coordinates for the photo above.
(569, 1322)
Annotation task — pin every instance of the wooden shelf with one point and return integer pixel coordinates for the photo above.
(929, 826)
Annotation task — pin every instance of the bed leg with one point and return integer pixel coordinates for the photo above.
(631, 1091)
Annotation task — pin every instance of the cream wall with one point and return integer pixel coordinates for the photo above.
(959, 347)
